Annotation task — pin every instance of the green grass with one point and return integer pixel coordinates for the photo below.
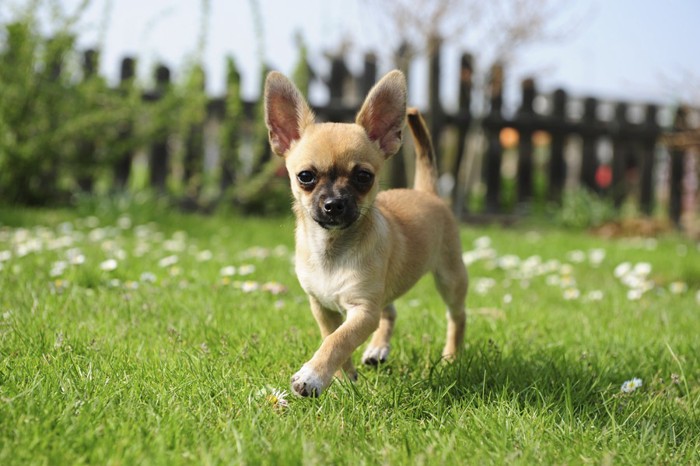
(103, 367)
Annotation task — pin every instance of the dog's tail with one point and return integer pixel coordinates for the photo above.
(426, 167)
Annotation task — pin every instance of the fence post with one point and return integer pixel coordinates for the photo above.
(122, 164)
(369, 74)
(397, 168)
(336, 86)
(494, 152)
(86, 145)
(231, 126)
(648, 146)
(620, 154)
(589, 151)
(160, 153)
(436, 113)
(194, 144)
(526, 119)
(463, 121)
(557, 166)
(677, 164)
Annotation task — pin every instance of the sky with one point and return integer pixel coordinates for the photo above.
(640, 50)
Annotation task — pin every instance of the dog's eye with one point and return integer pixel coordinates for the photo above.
(306, 178)
(363, 177)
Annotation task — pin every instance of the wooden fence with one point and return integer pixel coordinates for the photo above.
(634, 144)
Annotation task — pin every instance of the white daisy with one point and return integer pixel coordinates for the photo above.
(249, 286)
(482, 242)
(622, 269)
(274, 288)
(203, 256)
(642, 269)
(227, 271)
(124, 222)
(631, 385)
(168, 261)
(678, 287)
(108, 265)
(147, 277)
(576, 256)
(57, 268)
(246, 269)
(278, 399)
(596, 256)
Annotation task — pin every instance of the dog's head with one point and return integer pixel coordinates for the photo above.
(334, 167)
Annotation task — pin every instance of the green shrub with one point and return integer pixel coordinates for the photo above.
(583, 209)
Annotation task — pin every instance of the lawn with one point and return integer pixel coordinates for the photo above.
(130, 334)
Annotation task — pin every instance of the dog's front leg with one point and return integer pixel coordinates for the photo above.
(328, 321)
(336, 349)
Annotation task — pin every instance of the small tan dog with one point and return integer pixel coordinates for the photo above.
(358, 249)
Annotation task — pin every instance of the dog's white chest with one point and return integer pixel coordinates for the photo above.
(330, 286)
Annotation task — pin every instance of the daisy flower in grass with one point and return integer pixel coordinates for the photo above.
(571, 294)
(109, 265)
(246, 269)
(227, 271)
(249, 286)
(594, 295)
(631, 385)
(57, 268)
(147, 277)
(596, 256)
(203, 256)
(58, 286)
(576, 256)
(483, 285)
(168, 261)
(274, 288)
(678, 287)
(75, 256)
(277, 399)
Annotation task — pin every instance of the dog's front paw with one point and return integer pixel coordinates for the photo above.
(307, 382)
(375, 355)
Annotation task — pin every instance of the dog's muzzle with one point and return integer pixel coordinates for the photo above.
(336, 212)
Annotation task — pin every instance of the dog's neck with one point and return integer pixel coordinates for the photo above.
(329, 245)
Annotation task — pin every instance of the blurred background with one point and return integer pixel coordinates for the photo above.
(588, 108)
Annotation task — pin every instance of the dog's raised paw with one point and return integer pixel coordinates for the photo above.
(375, 355)
(306, 382)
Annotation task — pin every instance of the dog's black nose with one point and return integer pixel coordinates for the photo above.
(335, 206)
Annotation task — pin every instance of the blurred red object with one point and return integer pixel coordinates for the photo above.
(603, 176)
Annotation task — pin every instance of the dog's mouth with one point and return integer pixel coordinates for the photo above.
(332, 226)
(332, 223)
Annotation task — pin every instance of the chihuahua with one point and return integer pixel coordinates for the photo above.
(358, 249)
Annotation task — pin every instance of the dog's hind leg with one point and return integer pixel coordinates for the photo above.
(378, 349)
(451, 282)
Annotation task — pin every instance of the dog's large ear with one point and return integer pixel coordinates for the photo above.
(384, 112)
(286, 112)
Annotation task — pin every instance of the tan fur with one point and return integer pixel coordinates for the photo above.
(353, 269)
